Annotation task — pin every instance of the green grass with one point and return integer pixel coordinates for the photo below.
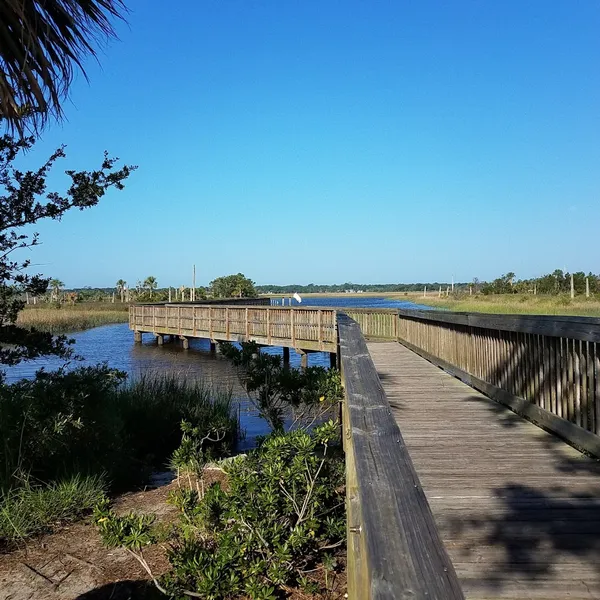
(68, 318)
(34, 509)
(518, 304)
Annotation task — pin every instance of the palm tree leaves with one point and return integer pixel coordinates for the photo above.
(42, 43)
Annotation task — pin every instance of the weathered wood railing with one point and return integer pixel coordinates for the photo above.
(394, 549)
(546, 368)
(306, 329)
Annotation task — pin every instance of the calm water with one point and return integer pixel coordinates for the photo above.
(113, 344)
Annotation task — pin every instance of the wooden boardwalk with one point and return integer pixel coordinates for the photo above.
(517, 508)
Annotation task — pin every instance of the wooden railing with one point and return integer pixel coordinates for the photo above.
(546, 368)
(305, 329)
(260, 301)
(375, 323)
(394, 549)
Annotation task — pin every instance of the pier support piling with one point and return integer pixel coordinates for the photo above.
(186, 343)
(303, 360)
(332, 360)
(160, 339)
(286, 356)
(137, 337)
(213, 347)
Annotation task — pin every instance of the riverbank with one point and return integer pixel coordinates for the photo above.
(518, 304)
(77, 317)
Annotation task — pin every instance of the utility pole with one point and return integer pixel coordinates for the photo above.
(169, 293)
(453, 284)
(447, 291)
(425, 292)
(440, 292)
(572, 287)
(193, 292)
(587, 287)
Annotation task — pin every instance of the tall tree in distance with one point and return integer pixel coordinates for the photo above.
(56, 285)
(121, 286)
(233, 286)
(150, 284)
(42, 44)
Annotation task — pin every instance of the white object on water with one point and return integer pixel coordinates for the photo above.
(297, 297)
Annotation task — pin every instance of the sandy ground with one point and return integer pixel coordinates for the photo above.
(72, 564)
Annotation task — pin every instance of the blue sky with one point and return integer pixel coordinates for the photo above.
(301, 141)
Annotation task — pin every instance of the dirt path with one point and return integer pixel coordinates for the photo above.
(73, 564)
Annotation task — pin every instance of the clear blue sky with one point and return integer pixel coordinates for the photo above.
(300, 141)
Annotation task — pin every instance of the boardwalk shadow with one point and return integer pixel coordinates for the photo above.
(534, 533)
(565, 462)
(123, 590)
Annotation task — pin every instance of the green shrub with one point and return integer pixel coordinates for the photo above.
(281, 514)
(33, 509)
(89, 421)
(274, 389)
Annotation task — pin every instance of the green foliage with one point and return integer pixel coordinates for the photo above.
(41, 46)
(25, 200)
(32, 509)
(233, 286)
(201, 444)
(555, 283)
(274, 389)
(88, 420)
(282, 514)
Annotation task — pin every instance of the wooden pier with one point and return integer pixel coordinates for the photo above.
(452, 489)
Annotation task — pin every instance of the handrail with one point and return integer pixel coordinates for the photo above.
(394, 548)
(545, 368)
(578, 328)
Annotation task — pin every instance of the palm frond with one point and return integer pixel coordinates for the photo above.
(42, 44)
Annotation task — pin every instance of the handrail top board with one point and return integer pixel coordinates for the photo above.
(405, 556)
(336, 309)
(579, 328)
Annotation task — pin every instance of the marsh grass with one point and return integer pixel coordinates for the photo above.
(67, 318)
(67, 437)
(519, 304)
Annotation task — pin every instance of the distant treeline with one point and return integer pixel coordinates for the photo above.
(337, 288)
(555, 283)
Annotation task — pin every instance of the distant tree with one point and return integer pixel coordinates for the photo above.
(233, 286)
(41, 45)
(56, 285)
(150, 284)
(25, 200)
(121, 287)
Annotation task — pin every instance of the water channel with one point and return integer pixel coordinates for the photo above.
(113, 344)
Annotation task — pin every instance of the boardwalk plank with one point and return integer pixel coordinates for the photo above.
(517, 508)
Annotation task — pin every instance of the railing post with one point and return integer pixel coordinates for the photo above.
(320, 320)
(269, 326)
(179, 320)
(292, 327)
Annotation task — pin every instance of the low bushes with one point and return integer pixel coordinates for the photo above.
(278, 521)
(64, 426)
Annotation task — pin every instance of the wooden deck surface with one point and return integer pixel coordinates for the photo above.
(517, 508)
